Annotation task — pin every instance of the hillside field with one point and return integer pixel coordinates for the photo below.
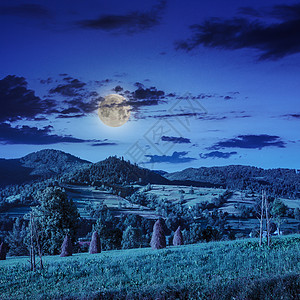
(217, 270)
(83, 195)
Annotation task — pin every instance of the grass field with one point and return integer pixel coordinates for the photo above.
(84, 195)
(172, 193)
(218, 270)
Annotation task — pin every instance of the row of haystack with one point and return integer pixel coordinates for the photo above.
(158, 241)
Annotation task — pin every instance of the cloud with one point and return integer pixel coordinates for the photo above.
(70, 116)
(78, 97)
(217, 154)
(133, 22)
(272, 40)
(175, 158)
(17, 101)
(293, 116)
(36, 136)
(85, 107)
(104, 144)
(175, 140)
(26, 11)
(72, 88)
(46, 81)
(250, 142)
(71, 110)
(142, 96)
(32, 136)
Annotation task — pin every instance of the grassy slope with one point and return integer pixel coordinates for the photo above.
(217, 270)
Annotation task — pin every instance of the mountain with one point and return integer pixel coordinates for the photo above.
(114, 170)
(277, 182)
(41, 164)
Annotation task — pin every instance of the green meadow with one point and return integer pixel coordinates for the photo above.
(216, 270)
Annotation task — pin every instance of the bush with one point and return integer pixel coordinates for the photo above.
(17, 239)
(132, 238)
(3, 251)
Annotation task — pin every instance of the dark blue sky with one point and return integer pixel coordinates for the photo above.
(209, 82)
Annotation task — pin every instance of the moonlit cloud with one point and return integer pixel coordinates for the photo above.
(272, 40)
(133, 22)
(250, 141)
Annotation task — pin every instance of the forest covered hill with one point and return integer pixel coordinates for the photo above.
(42, 164)
(276, 182)
(114, 170)
(64, 167)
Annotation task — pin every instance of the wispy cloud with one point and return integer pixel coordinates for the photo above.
(175, 158)
(40, 136)
(18, 102)
(26, 11)
(250, 142)
(132, 22)
(217, 154)
(32, 136)
(273, 40)
(175, 140)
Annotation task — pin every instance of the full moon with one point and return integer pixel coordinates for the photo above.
(113, 110)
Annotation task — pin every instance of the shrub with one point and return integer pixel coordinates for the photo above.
(17, 239)
(66, 247)
(178, 238)
(158, 240)
(3, 251)
(95, 245)
(132, 238)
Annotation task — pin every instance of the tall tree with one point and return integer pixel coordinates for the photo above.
(3, 251)
(56, 216)
(17, 239)
(132, 238)
(297, 213)
(158, 240)
(278, 211)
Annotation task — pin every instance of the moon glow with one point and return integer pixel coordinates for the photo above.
(113, 110)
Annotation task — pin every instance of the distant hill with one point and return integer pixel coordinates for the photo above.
(41, 164)
(114, 170)
(277, 182)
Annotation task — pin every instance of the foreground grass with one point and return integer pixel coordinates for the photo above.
(220, 270)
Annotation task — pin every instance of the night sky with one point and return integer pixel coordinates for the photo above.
(209, 83)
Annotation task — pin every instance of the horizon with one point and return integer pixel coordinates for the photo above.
(205, 84)
(155, 170)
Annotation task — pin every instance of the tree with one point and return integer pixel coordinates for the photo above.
(132, 238)
(3, 251)
(16, 239)
(56, 216)
(66, 247)
(297, 213)
(278, 211)
(95, 245)
(192, 190)
(110, 236)
(178, 238)
(158, 240)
